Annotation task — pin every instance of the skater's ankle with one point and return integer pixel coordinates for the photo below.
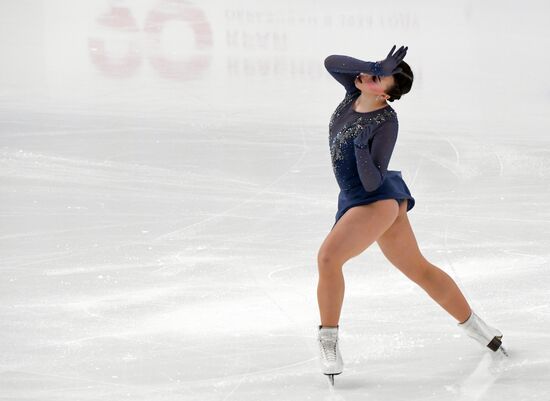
(469, 316)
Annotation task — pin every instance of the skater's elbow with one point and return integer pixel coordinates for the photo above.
(330, 61)
(371, 188)
(371, 185)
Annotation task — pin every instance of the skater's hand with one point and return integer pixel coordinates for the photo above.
(388, 66)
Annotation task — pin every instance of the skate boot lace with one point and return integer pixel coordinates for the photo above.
(329, 348)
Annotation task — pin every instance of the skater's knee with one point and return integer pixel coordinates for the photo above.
(327, 263)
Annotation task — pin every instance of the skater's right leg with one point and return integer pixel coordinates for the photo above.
(354, 232)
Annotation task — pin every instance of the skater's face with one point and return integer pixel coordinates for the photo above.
(375, 85)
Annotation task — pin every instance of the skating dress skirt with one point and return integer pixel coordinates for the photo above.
(360, 146)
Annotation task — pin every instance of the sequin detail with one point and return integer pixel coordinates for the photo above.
(352, 129)
(347, 100)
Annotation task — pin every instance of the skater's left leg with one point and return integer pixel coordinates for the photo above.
(399, 245)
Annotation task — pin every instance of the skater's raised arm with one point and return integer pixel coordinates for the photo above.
(372, 160)
(344, 69)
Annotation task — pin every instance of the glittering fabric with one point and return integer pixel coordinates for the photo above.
(361, 144)
(353, 127)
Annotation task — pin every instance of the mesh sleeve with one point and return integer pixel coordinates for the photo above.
(344, 69)
(373, 153)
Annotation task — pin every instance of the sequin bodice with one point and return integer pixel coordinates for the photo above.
(345, 126)
(361, 144)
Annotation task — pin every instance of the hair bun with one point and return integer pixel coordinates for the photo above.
(403, 82)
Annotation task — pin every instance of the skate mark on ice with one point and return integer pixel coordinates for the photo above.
(484, 375)
(273, 272)
(176, 234)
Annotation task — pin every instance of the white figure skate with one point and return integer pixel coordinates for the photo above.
(330, 358)
(486, 335)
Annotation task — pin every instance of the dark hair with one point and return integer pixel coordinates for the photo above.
(403, 82)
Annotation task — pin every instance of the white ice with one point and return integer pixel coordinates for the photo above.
(166, 185)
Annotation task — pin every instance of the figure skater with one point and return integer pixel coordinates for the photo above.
(373, 201)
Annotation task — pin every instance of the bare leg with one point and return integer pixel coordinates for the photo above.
(354, 232)
(330, 296)
(399, 245)
(443, 290)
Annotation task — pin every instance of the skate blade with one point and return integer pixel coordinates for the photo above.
(496, 345)
(331, 377)
(503, 350)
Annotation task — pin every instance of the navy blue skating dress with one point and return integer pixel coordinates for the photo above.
(361, 144)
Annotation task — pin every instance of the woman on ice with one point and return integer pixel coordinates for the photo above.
(373, 201)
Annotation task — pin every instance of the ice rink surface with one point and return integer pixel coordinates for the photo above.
(166, 184)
